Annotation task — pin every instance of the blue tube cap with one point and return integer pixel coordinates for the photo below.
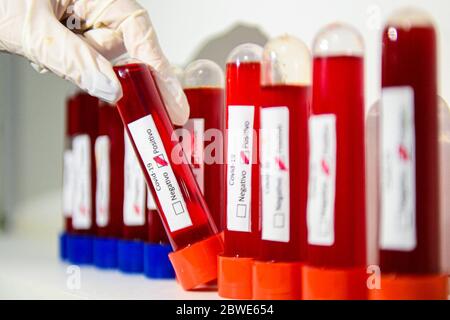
(130, 256)
(105, 253)
(156, 261)
(80, 249)
(63, 246)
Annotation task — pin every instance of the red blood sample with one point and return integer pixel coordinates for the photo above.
(409, 67)
(283, 150)
(336, 209)
(188, 220)
(241, 238)
(338, 90)
(84, 136)
(203, 86)
(183, 210)
(297, 100)
(242, 205)
(109, 151)
(156, 233)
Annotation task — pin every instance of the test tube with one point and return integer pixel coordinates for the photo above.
(285, 107)
(373, 190)
(134, 224)
(80, 243)
(242, 117)
(157, 248)
(72, 122)
(409, 232)
(185, 215)
(336, 263)
(203, 83)
(109, 153)
(444, 154)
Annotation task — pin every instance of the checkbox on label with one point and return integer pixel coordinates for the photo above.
(278, 220)
(241, 211)
(160, 161)
(178, 207)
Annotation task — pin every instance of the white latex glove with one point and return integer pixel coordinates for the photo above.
(76, 39)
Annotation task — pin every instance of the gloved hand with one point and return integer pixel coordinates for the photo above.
(76, 39)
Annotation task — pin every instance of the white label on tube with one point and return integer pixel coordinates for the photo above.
(151, 149)
(151, 204)
(322, 179)
(398, 185)
(102, 149)
(68, 183)
(196, 128)
(82, 210)
(275, 182)
(239, 167)
(134, 188)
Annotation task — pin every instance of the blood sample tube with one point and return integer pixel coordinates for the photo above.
(203, 83)
(444, 148)
(373, 190)
(157, 248)
(72, 121)
(336, 263)
(241, 227)
(109, 154)
(409, 161)
(135, 226)
(80, 243)
(285, 106)
(185, 215)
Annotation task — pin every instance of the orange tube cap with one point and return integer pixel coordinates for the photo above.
(235, 277)
(277, 280)
(334, 284)
(197, 264)
(411, 287)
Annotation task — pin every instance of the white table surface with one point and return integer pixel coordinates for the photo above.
(30, 269)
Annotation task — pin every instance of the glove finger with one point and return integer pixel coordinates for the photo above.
(38, 68)
(132, 23)
(106, 42)
(141, 43)
(64, 53)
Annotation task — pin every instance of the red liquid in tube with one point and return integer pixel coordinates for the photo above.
(189, 226)
(243, 89)
(156, 232)
(135, 224)
(242, 217)
(207, 112)
(297, 100)
(283, 150)
(333, 76)
(409, 228)
(410, 61)
(336, 263)
(109, 149)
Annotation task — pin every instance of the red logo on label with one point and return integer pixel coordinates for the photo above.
(160, 161)
(137, 209)
(244, 158)
(403, 153)
(83, 210)
(325, 167)
(280, 163)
